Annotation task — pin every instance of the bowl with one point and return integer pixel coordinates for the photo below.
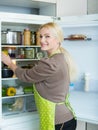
(7, 73)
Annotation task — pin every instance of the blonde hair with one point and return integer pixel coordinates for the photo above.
(58, 33)
(71, 64)
(55, 29)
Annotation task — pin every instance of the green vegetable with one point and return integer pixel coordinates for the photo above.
(28, 89)
(4, 91)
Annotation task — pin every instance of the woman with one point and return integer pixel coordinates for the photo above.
(51, 77)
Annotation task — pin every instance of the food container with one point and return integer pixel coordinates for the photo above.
(11, 37)
(27, 36)
(29, 53)
(12, 52)
(7, 72)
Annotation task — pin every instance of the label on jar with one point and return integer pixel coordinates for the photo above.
(29, 53)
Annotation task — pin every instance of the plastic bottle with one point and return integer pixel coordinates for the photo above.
(86, 84)
(71, 86)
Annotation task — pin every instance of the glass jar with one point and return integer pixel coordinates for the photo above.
(30, 54)
(27, 36)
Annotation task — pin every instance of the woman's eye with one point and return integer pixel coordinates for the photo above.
(44, 36)
(47, 36)
(40, 36)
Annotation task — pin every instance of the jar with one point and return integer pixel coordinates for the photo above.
(27, 37)
(29, 53)
(22, 53)
(33, 39)
(37, 38)
(12, 52)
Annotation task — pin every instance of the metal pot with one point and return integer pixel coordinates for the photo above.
(11, 37)
(7, 72)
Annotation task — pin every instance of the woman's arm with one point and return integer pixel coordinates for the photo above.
(7, 60)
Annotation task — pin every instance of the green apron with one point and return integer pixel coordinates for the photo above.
(46, 110)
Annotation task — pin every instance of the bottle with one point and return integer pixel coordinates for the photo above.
(71, 86)
(33, 38)
(27, 36)
(37, 38)
(86, 83)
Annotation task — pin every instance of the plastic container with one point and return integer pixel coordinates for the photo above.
(86, 83)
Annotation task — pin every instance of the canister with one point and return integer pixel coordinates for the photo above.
(11, 37)
(29, 53)
(37, 38)
(27, 36)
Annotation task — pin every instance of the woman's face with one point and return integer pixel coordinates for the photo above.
(48, 41)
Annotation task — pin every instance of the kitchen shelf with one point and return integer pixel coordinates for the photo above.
(26, 59)
(18, 95)
(12, 78)
(24, 46)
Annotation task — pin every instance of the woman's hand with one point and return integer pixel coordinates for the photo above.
(6, 59)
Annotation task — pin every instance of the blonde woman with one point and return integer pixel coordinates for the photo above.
(51, 79)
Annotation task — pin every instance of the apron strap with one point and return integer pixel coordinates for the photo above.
(67, 102)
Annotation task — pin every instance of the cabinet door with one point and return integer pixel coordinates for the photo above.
(92, 6)
(71, 7)
(92, 126)
(80, 125)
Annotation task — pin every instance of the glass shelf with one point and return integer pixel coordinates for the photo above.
(18, 95)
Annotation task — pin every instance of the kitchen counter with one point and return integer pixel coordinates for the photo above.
(85, 105)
